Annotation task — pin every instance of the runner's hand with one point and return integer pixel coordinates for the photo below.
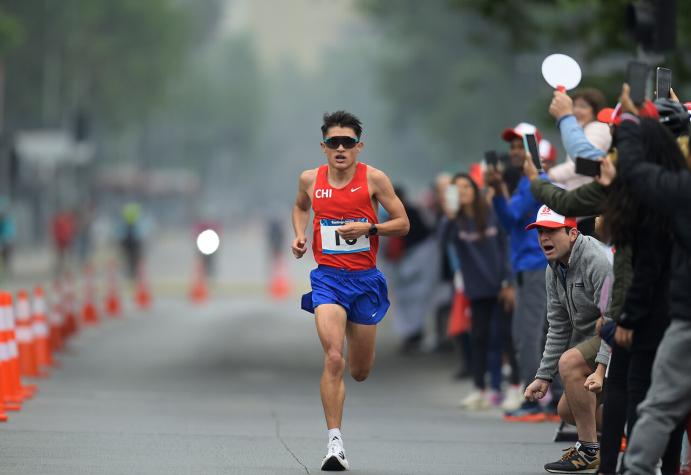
(353, 230)
(593, 383)
(299, 247)
(536, 390)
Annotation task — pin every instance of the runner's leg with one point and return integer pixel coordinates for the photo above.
(331, 324)
(361, 344)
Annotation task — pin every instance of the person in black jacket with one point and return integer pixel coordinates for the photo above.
(668, 192)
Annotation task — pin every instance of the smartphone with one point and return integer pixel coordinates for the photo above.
(637, 80)
(663, 82)
(587, 166)
(491, 158)
(530, 144)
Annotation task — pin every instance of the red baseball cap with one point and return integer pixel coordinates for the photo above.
(546, 218)
(608, 116)
(519, 131)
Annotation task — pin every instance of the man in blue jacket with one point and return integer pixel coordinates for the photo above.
(528, 262)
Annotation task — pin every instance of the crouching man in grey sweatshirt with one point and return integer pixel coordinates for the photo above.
(578, 268)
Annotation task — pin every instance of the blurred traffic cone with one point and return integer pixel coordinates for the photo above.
(44, 356)
(28, 366)
(113, 305)
(89, 311)
(5, 384)
(69, 304)
(142, 295)
(17, 392)
(199, 292)
(56, 321)
(280, 286)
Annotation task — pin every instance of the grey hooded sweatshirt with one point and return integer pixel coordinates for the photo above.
(573, 303)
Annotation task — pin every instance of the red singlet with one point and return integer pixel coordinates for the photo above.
(333, 207)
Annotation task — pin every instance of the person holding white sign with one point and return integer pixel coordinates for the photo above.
(349, 294)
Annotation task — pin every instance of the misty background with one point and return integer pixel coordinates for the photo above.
(213, 107)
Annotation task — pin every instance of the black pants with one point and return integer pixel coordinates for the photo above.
(483, 312)
(628, 381)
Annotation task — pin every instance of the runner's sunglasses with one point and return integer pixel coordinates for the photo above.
(347, 142)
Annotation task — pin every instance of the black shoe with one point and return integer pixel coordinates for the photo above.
(575, 461)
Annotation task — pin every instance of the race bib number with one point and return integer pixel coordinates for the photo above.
(333, 243)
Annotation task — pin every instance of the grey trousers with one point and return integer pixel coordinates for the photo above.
(667, 403)
(529, 322)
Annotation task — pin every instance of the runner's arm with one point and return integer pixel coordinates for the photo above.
(397, 224)
(301, 213)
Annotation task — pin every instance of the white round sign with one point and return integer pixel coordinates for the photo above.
(208, 242)
(560, 70)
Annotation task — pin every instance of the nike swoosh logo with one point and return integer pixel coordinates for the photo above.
(374, 314)
(353, 190)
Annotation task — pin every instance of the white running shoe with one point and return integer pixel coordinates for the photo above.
(335, 459)
(513, 398)
(475, 401)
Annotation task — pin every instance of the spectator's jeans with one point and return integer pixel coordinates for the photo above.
(529, 322)
(667, 403)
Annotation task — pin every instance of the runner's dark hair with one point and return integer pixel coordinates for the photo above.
(341, 119)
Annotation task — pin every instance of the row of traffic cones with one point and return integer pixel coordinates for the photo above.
(33, 331)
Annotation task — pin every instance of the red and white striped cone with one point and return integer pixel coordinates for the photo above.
(5, 382)
(28, 365)
(69, 307)
(113, 303)
(18, 392)
(56, 320)
(89, 311)
(44, 355)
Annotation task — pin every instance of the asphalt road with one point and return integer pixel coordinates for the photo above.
(232, 387)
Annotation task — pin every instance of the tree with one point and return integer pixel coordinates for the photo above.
(110, 58)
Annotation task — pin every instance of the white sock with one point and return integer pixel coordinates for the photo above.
(335, 436)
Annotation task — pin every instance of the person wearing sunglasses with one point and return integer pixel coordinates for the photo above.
(349, 294)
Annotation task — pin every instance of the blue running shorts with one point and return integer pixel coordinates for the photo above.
(362, 293)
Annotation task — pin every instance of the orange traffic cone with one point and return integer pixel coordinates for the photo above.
(113, 305)
(17, 392)
(69, 305)
(56, 320)
(280, 286)
(44, 356)
(199, 292)
(89, 311)
(26, 342)
(5, 384)
(142, 295)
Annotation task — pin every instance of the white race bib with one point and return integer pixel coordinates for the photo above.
(333, 243)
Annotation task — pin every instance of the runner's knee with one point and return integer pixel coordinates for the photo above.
(359, 374)
(334, 363)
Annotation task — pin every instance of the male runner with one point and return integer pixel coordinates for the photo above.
(349, 294)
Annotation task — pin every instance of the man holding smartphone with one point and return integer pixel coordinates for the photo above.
(528, 265)
(578, 269)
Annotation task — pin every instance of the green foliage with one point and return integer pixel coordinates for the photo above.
(462, 70)
(111, 58)
(11, 33)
